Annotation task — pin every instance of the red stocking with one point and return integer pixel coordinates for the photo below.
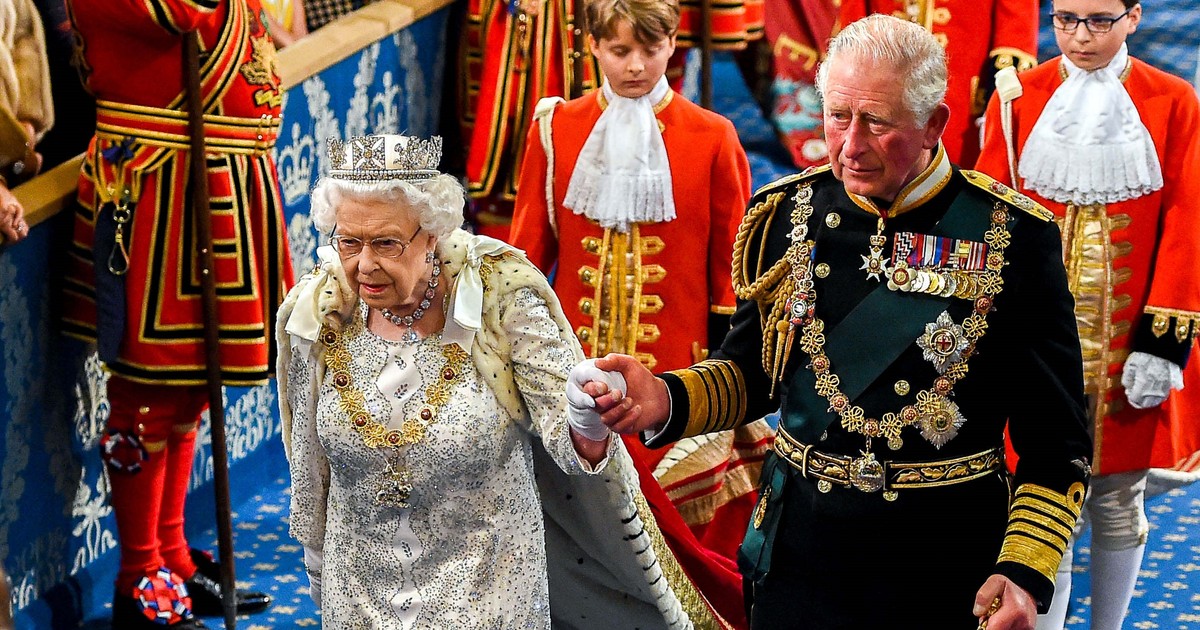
(173, 544)
(142, 472)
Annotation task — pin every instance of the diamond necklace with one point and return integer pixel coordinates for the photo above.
(407, 321)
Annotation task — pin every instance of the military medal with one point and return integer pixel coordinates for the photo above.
(873, 262)
(939, 420)
(943, 343)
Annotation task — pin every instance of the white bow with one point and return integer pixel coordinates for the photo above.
(466, 306)
(322, 291)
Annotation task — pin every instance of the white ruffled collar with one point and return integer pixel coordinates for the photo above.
(622, 175)
(1089, 145)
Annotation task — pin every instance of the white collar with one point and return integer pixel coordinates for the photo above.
(920, 190)
(623, 175)
(1090, 145)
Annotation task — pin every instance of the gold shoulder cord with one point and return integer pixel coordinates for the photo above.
(766, 288)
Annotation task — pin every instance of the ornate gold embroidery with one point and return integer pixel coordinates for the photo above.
(351, 400)
(261, 69)
(1039, 526)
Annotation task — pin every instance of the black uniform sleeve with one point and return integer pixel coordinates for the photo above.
(1047, 421)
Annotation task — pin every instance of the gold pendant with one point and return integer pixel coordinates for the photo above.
(866, 473)
(395, 488)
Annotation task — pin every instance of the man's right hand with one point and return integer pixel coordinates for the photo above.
(646, 406)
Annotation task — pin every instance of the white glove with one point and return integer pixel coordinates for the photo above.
(581, 415)
(1148, 379)
(314, 562)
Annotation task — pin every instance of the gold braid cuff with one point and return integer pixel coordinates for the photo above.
(1183, 324)
(1039, 527)
(716, 394)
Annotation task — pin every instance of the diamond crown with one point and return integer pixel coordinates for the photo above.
(385, 157)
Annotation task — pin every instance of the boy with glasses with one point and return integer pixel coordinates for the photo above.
(1109, 144)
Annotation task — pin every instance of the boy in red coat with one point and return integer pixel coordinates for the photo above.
(1110, 145)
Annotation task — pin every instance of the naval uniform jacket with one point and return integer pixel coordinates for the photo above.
(927, 551)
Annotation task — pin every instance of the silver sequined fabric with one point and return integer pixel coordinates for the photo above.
(470, 553)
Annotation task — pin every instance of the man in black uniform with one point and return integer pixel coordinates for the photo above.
(900, 312)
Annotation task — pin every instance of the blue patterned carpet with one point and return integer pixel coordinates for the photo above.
(1166, 595)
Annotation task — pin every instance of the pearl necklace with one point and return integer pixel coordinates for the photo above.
(407, 321)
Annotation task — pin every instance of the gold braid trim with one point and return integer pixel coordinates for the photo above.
(743, 286)
(702, 614)
(770, 289)
(1185, 324)
(716, 394)
(1039, 527)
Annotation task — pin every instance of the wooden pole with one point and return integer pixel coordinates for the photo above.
(706, 54)
(578, 44)
(208, 285)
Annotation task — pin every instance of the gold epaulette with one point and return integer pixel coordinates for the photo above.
(1039, 527)
(1016, 58)
(787, 179)
(1010, 196)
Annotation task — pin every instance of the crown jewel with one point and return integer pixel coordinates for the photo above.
(384, 157)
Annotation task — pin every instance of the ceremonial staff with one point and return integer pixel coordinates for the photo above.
(208, 285)
(578, 44)
(706, 54)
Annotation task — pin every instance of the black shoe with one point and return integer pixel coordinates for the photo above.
(128, 615)
(204, 587)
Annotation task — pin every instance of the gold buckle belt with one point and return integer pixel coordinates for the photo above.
(169, 128)
(870, 475)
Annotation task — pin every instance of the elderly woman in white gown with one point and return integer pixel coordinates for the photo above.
(421, 377)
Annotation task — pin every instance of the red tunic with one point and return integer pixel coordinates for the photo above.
(1133, 266)
(677, 271)
(980, 37)
(653, 293)
(148, 319)
(509, 62)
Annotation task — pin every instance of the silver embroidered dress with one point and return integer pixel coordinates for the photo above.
(470, 551)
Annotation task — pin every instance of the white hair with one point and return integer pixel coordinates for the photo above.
(901, 46)
(437, 202)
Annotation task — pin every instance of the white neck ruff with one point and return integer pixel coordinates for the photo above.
(622, 175)
(1090, 146)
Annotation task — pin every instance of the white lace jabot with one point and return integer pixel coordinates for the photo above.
(622, 175)
(1089, 145)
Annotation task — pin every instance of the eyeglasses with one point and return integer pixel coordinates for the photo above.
(1068, 22)
(384, 247)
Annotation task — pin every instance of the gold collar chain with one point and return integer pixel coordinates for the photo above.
(933, 410)
(374, 433)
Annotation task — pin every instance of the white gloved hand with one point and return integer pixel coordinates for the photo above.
(1148, 379)
(581, 414)
(314, 563)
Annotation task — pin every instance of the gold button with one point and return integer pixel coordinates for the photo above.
(144, 410)
(141, 428)
(902, 388)
(833, 219)
(822, 270)
(585, 275)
